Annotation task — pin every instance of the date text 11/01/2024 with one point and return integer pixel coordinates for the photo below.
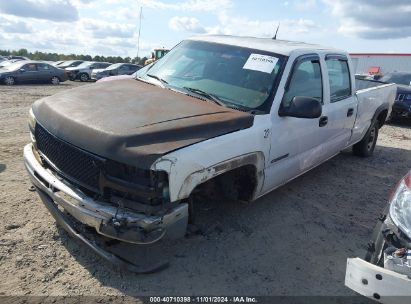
(239, 299)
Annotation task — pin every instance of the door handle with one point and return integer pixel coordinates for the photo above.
(350, 112)
(323, 121)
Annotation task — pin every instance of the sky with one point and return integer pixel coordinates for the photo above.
(110, 27)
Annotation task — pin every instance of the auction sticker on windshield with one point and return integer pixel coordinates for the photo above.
(262, 63)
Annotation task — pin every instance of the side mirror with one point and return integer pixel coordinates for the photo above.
(22, 70)
(302, 107)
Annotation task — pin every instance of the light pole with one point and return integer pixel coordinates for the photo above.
(139, 31)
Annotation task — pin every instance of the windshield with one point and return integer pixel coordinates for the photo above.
(113, 66)
(397, 78)
(67, 63)
(237, 76)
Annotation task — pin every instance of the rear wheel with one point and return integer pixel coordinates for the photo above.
(9, 80)
(84, 77)
(55, 80)
(366, 146)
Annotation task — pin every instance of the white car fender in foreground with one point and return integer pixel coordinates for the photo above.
(382, 285)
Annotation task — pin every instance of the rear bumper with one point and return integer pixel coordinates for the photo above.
(110, 221)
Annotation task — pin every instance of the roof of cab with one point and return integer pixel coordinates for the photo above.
(281, 47)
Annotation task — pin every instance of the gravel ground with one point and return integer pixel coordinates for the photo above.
(293, 241)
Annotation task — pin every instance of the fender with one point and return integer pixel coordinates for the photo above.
(200, 175)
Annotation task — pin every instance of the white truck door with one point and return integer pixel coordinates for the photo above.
(341, 102)
(297, 144)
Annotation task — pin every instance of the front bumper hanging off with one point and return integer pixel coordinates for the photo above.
(376, 282)
(108, 220)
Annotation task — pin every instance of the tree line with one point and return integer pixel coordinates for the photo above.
(58, 57)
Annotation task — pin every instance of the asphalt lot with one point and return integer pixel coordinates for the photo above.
(293, 241)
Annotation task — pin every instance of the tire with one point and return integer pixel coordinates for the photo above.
(365, 147)
(55, 80)
(9, 80)
(84, 77)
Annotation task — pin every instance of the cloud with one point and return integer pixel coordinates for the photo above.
(373, 19)
(102, 29)
(54, 10)
(189, 24)
(84, 3)
(14, 26)
(305, 5)
(242, 26)
(190, 5)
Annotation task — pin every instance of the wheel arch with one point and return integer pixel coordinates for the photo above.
(249, 166)
(380, 115)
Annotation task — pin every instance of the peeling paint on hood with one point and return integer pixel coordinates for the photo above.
(134, 122)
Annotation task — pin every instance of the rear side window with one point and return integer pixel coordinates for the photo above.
(43, 67)
(339, 78)
(306, 80)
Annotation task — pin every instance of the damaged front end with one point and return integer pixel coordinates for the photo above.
(385, 273)
(118, 202)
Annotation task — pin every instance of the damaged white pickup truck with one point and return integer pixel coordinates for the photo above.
(236, 115)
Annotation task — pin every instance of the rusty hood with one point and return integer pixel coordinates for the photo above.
(134, 122)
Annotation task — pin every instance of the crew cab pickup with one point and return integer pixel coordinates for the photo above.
(239, 115)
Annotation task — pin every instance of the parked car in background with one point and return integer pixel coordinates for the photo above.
(70, 64)
(17, 57)
(115, 69)
(8, 62)
(24, 71)
(402, 104)
(2, 58)
(58, 62)
(385, 272)
(135, 75)
(83, 71)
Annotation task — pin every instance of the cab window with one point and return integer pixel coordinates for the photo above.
(339, 79)
(306, 80)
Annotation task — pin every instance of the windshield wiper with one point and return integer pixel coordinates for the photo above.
(209, 96)
(158, 78)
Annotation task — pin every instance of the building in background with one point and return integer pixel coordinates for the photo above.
(380, 63)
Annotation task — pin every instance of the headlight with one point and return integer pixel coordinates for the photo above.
(32, 120)
(400, 209)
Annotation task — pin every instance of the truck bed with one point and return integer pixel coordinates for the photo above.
(371, 95)
(362, 84)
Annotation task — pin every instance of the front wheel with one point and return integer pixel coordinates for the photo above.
(55, 80)
(84, 77)
(9, 80)
(366, 146)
